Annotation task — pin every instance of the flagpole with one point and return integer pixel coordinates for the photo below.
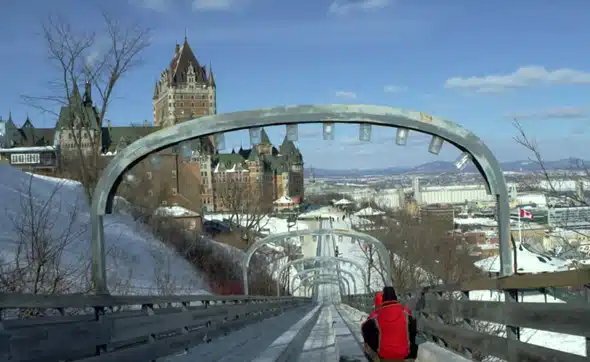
(519, 226)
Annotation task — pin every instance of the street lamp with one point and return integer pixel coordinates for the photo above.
(401, 137)
(219, 139)
(255, 135)
(461, 162)
(292, 132)
(328, 130)
(435, 145)
(364, 132)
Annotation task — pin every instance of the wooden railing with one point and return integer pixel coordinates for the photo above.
(446, 314)
(123, 328)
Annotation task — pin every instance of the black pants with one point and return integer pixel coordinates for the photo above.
(413, 353)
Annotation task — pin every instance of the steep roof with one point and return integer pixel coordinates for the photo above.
(264, 140)
(181, 61)
(26, 135)
(287, 147)
(117, 138)
(88, 113)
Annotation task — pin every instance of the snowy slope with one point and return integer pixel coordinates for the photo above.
(137, 262)
(526, 261)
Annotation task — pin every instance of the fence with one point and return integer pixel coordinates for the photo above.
(447, 315)
(123, 328)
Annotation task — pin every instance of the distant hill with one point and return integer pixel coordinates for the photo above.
(447, 166)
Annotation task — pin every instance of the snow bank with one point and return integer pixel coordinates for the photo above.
(137, 262)
(268, 225)
(526, 261)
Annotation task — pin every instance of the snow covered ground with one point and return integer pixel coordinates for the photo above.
(269, 225)
(557, 341)
(526, 261)
(137, 262)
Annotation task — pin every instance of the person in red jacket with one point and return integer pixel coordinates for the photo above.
(390, 331)
(378, 300)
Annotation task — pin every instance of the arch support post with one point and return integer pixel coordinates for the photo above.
(99, 267)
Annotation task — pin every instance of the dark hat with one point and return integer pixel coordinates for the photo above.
(389, 294)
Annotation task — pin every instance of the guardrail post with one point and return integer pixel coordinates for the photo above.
(440, 319)
(587, 297)
(512, 332)
(99, 313)
(149, 310)
(184, 307)
(468, 325)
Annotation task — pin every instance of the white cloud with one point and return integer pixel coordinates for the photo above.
(213, 5)
(394, 89)
(156, 5)
(342, 7)
(344, 94)
(553, 113)
(523, 77)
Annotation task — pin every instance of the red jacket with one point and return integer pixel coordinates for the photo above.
(387, 331)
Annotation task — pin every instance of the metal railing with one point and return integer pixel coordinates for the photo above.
(445, 314)
(124, 328)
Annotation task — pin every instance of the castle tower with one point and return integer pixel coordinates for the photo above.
(185, 90)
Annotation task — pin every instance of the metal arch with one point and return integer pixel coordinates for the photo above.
(328, 259)
(308, 289)
(110, 178)
(324, 258)
(325, 281)
(382, 250)
(323, 275)
(320, 282)
(319, 269)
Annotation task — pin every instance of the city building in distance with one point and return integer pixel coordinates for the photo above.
(197, 179)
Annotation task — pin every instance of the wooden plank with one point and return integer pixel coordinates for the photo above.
(14, 301)
(553, 317)
(58, 341)
(64, 340)
(570, 278)
(168, 346)
(128, 328)
(46, 321)
(504, 348)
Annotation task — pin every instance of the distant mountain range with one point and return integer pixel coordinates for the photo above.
(447, 167)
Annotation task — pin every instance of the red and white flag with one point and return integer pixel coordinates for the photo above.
(526, 214)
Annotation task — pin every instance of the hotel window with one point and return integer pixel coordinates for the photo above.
(173, 173)
(174, 191)
(148, 175)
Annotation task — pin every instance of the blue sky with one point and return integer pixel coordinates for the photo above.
(476, 63)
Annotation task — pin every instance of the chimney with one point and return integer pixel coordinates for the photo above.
(88, 90)
(177, 49)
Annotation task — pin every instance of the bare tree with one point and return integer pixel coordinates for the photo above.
(422, 252)
(44, 258)
(247, 205)
(550, 182)
(146, 191)
(100, 59)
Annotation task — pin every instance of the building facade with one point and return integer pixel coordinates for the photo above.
(185, 90)
(192, 176)
(263, 172)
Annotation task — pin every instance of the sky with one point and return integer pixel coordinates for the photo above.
(479, 64)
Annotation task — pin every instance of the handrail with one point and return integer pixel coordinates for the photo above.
(81, 327)
(446, 315)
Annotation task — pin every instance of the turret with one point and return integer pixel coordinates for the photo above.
(156, 91)
(211, 77)
(87, 93)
